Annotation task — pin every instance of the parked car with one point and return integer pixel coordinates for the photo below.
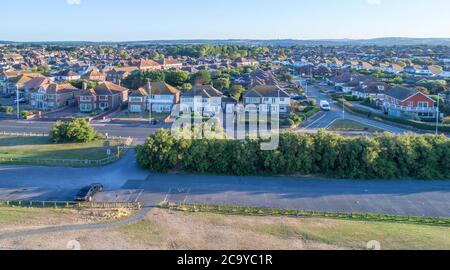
(325, 105)
(20, 100)
(87, 193)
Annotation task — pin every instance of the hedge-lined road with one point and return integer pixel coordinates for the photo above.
(417, 198)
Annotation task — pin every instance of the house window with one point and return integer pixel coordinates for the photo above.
(423, 104)
(103, 98)
(86, 107)
(84, 98)
(410, 104)
(135, 99)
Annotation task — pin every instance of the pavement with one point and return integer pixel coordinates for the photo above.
(125, 182)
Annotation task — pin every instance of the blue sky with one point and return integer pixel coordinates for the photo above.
(121, 20)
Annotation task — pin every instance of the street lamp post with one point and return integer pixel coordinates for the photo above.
(437, 115)
(17, 103)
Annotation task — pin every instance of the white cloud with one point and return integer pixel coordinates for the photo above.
(374, 2)
(74, 2)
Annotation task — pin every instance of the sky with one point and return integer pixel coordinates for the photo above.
(127, 20)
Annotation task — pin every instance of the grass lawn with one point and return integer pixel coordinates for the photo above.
(17, 216)
(42, 147)
(350, 125)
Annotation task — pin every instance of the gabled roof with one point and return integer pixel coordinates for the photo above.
(109, 88)
(266, 91)
(60, 88)
(206, 91)
(139, 93)
(161, 88)
(401, 93)
(37, 82)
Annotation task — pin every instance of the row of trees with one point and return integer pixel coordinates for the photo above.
(381, 157)
(225, 51)
(221, 80)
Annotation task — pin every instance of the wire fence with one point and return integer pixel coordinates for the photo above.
(120, 151)
(68, 204)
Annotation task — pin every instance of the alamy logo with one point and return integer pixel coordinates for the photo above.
(203, 120)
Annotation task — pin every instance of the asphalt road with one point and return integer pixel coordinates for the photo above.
(125, 182)
(137, 131)
(324, 119)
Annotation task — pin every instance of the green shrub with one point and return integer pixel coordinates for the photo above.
(77, 130)
(6, 109)
(384, 156)
(26, 114)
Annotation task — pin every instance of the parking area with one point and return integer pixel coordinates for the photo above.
(413, 198)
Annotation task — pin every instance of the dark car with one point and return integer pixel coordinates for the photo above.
(87, 193)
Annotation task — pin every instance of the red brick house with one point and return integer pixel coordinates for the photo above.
(105, 96)
(409, 103)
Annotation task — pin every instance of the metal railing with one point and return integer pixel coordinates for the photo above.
(23, 134)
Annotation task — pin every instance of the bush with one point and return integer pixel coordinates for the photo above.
(6, 109)
(77, 130)
(382, 157)
(26, 114)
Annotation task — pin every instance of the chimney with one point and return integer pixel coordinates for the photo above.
(120, 82)
(84, 86)
(149, 84)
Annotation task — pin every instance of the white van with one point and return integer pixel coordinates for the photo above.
(325, 105)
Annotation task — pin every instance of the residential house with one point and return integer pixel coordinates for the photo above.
(171, 63)
(162, 96)
(33, 86)
(409, 103)
(148, 64)
(94, 75)
(138, 101)
(394, 69)
(54, 96)
(67, 75)
(14, 84)
(201, 99)
(374, 90)
(268, 98)
(117, 75)
(246, 62)
(105, 96)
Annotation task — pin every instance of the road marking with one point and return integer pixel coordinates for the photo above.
(332, 122)
(167, 195)
(308, 126)
(139, 195)
(187, 194)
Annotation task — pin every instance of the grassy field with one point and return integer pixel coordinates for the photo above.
(42, 147)
(168, 229)
(350, 125)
